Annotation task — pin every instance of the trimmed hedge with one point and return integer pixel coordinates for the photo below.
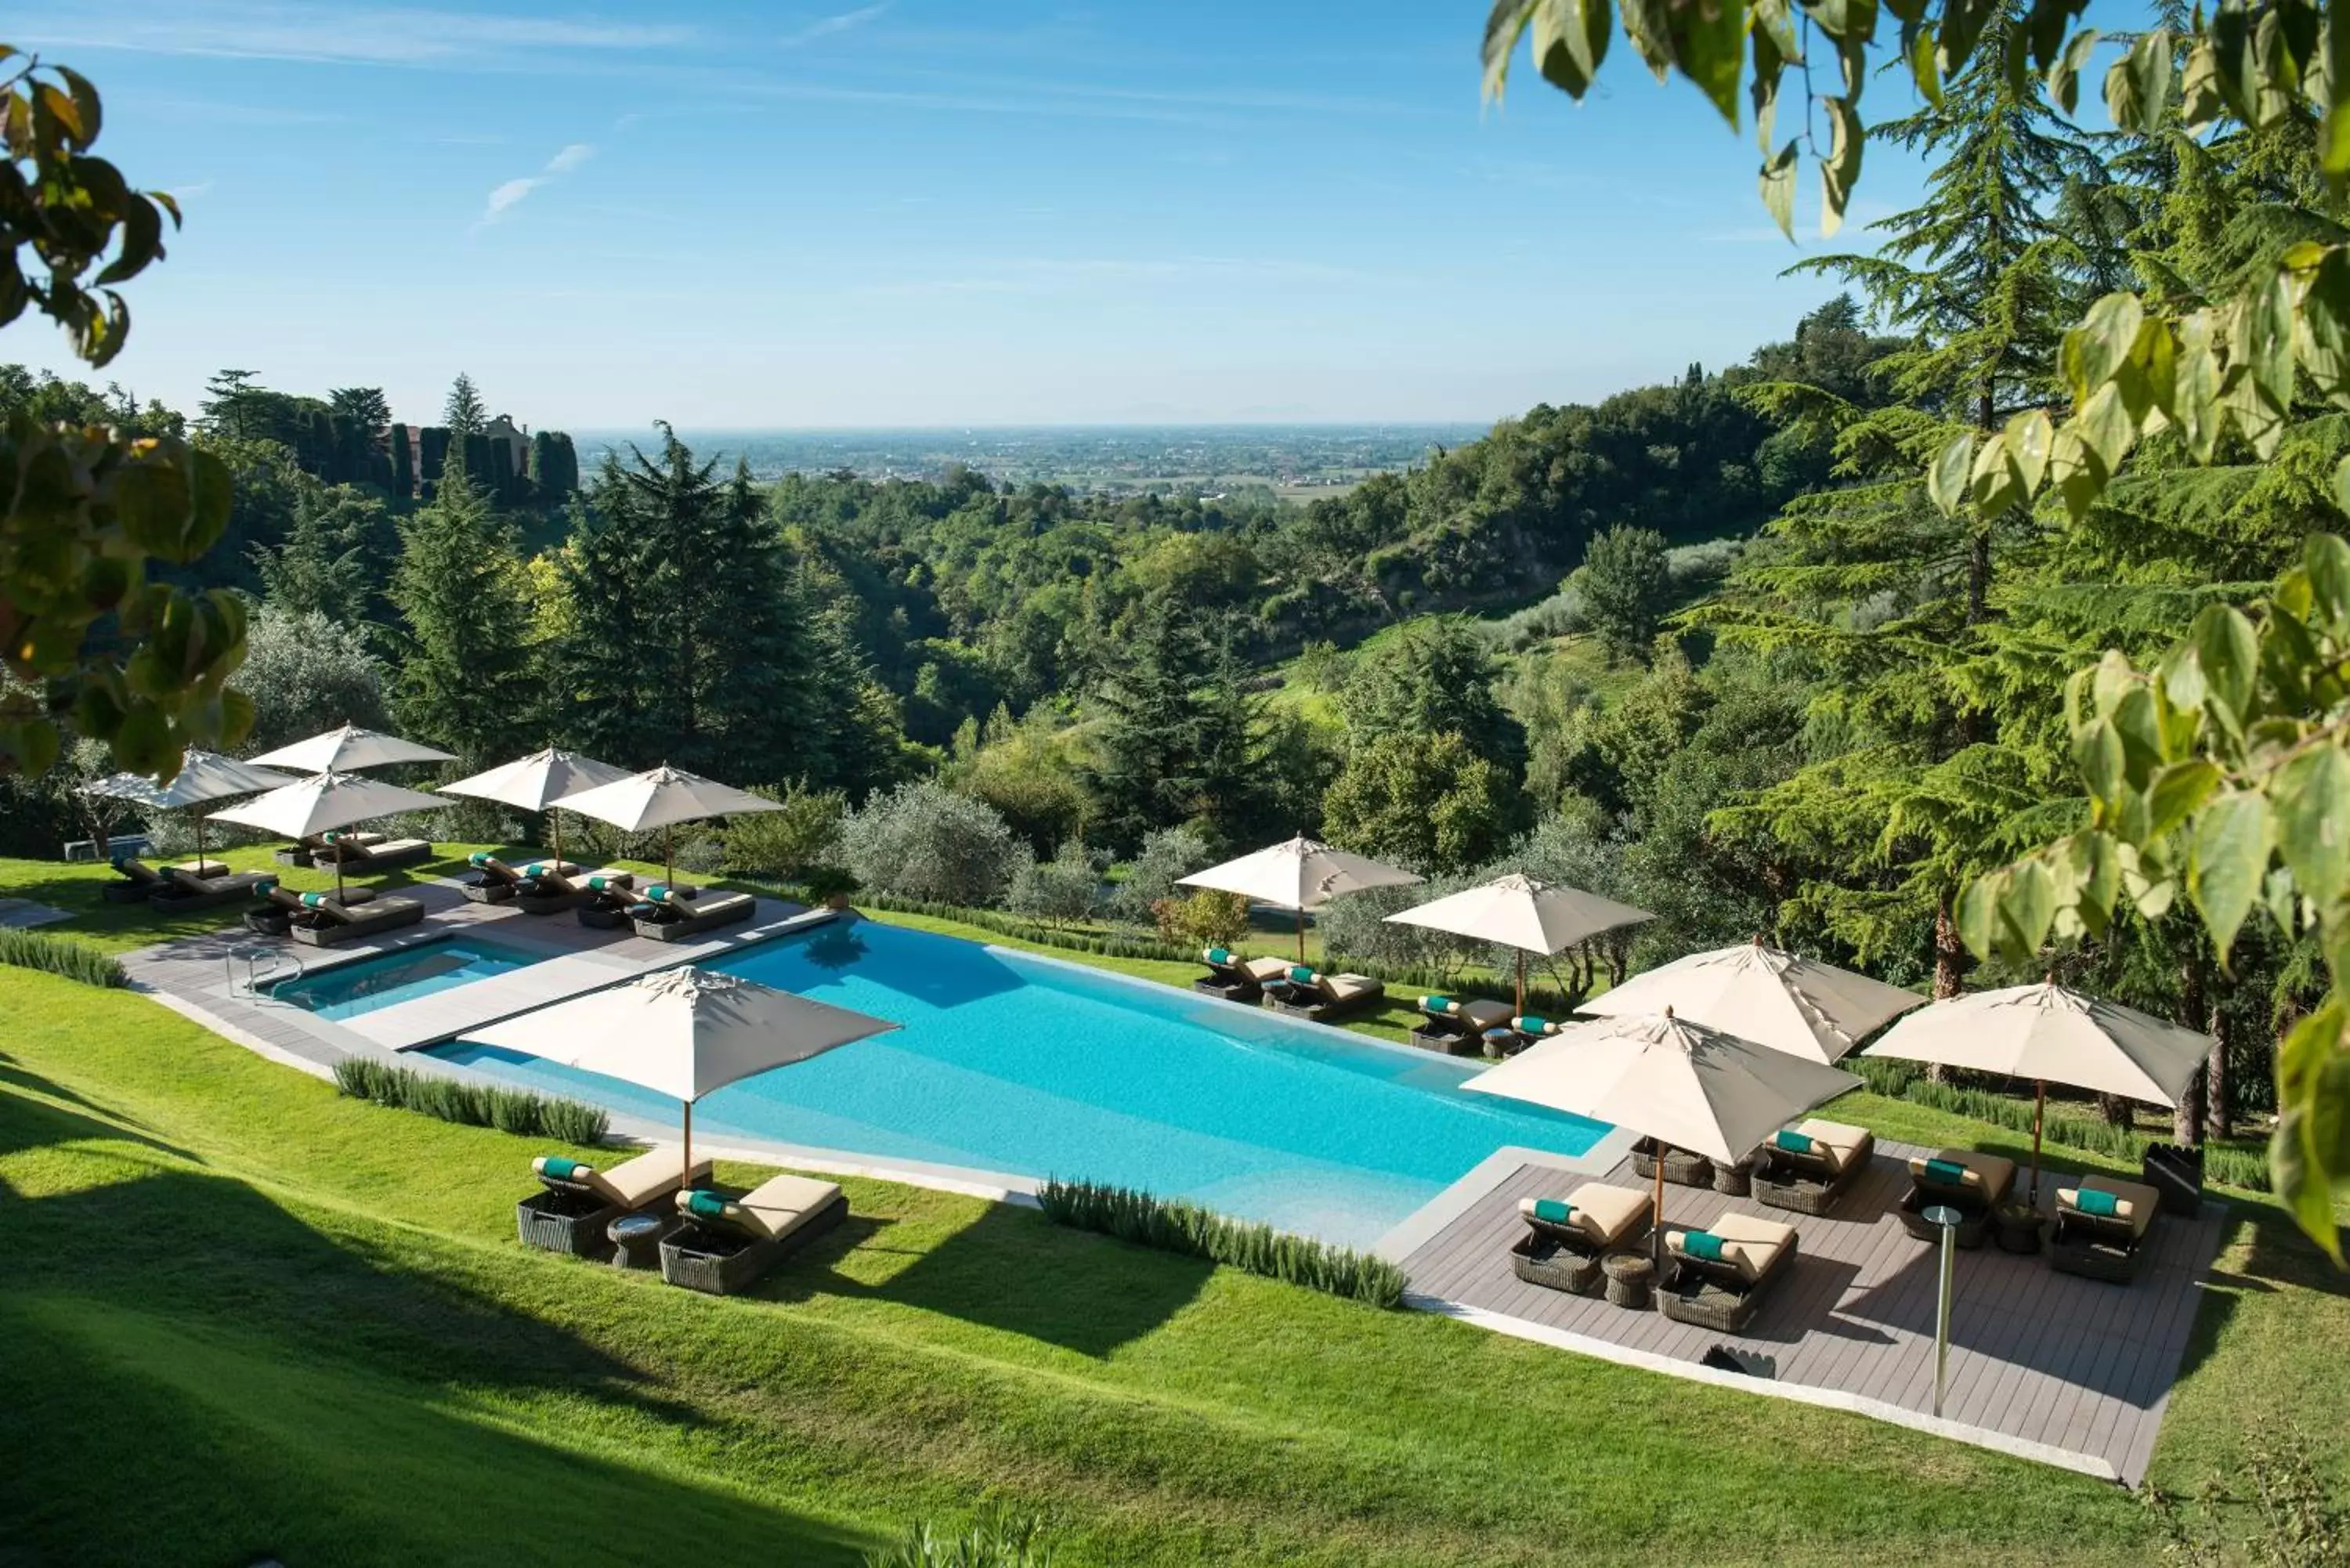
(1173, 1226)
(2241, 1167)
(473, 1104)
(61, 956)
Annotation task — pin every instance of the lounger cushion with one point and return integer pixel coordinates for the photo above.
(1603, 1214)
(1748, 1244)
(1350, 987)
(1483, 1015)
(772, 1209)
(1988, 1174)
(1265, 970)
(2134, 1202)
(634, 1183)
(1839, 1145)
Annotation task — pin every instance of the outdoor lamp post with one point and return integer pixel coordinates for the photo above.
(1945, 1219)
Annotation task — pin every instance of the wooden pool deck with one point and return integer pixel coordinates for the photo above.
(2051, 1366)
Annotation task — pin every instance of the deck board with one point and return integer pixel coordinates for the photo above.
(2037, 1357)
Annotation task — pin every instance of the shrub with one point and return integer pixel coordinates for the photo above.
(1205, 919)
(1166, 854)
(997, 1539)
(1196, 1232)
(306, 673)
(61, 956)
(517, 1111)
(789, 842)
(1062, 891)
(821, 884)
(925, 841)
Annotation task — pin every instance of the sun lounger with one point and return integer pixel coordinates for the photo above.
(609, 895)
(494, 882)
(1806, 1168)
(1682, 1166)
(726, 1242)
(383, 855)
(1304, 992)
(1514, 1034)
(326, 848)
(1723, 1275)
(323, 921)
(142, 881)
(1234, 978)
(1456, 1027)
(670, 914)
(184, 889)
(2101, 1228)
(1973, 1184)
(1566, 1239)
(577, 1201)
(551, 887)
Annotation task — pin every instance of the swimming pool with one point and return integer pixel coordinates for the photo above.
(1013, 1064)
(349, 990)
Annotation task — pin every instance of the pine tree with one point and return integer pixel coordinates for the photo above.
(333, 557)
(1152, 740)
(464, 415)
(600, 675)
(466, 680)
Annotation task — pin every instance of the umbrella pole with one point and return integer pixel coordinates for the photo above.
(200, 841)
(688, 1167)
(2039, 1108)
(555, 825)
(1301, 933)
(1522, 983)
(338, 874)
(1657, 1213)
(669, 853)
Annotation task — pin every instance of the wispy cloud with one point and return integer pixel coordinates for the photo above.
(841, 22)
(508, 196)
(386, 35)
(1054, 274)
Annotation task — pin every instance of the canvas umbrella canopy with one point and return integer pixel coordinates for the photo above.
(682, 1032)
(662, 797)
(1302, 873)
(2050, 1034)
(1776, 999)
(204, 776)
(340, 751)
(536, 782)
(1520, 912)
(322, 804)
(1671, 1079)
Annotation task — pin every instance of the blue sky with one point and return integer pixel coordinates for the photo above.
(918, 212)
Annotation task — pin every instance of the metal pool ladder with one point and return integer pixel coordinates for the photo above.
(263, 966)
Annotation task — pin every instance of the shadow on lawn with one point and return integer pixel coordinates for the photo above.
(1014, 1270)
(26, 1124)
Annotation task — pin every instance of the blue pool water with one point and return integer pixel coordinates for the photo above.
(349, 990)
(1009, 1063)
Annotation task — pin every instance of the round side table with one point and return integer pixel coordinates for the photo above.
(1631, 1280)
(636, 1241)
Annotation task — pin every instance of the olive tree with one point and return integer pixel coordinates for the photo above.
(924, 841)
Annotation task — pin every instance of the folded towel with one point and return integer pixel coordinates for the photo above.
(1794, 1142)
(2089, 1200)
(1553, 1210)
(1702, 1245)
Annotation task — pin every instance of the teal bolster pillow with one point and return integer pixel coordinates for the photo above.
(1793, 1141)
(538, 868)
(266, 886)
(1702, 1245)
(599, 884)
(479, 858)
(1553, 1210)
(560, 1169)
(2092, 1202)
(1299, 974)
(329, 837)
(314, 900)
(120, 860)
(1433, 1003)
(657, 893)
(1218, 955)
(710, 1205)
(1530, 1024)
(1949, 1172)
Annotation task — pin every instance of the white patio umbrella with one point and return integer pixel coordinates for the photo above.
(663, 797)
(1671, 1079)
(1776, 999)
(327, 802)
(536, 782)
(2050, 1034)
(204, 776)
(682, 1032)
(1302, 873)
(1520, 912)
(339, 751)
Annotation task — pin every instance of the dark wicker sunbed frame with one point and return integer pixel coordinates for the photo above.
(1280, 996)
(1562, 1258)
(1804, 1183)
(720, 1262)
(1975, 1207)
(1680, 1166)
(1716, 1295)
(2098, 1246)
(171, 896)
(724, 910)
(356, 923)
(141, 881)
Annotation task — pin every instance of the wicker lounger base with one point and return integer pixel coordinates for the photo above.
(487, 892)
(293, 857)
(1557, 1268)
(550, 903)
(1974, 1224)
(597, 918)
(359, 930)
(1704, 1301)
(564, 1223)
(1680, 1166)
(1446, 1042)
(1319, 1012)
(1801, 1195)
(693, 926)
(700, 1260)
(2069, 1254)
(1230, 989)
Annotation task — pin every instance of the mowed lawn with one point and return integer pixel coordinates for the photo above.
(244, 1316)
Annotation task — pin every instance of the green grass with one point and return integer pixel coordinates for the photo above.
(247, 1315)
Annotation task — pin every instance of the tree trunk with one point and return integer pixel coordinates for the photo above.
(2217, 1115)
(2187, 1118)
(1979, 574)
(1949, 968)
(2118, 1109)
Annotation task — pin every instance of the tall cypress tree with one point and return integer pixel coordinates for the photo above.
(466, 680)
(1151, 738)
(464, 414)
